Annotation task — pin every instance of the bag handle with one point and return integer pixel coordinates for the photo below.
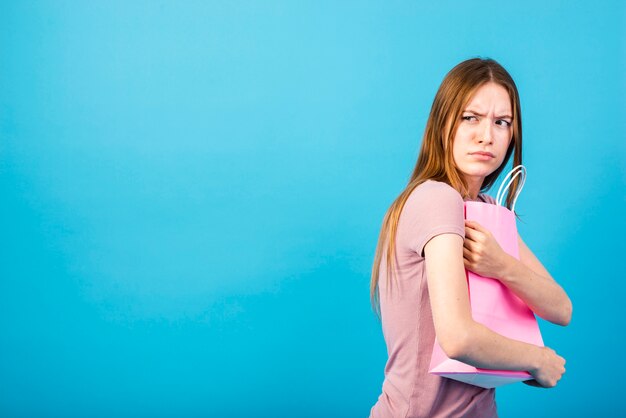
(516, 171)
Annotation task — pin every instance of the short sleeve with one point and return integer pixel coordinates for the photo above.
(432, 209)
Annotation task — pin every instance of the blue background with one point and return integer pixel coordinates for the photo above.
(191, 194)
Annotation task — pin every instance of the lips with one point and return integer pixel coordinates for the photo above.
(483, 153)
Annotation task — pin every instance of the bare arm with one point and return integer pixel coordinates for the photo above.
(530, 280)
(526, 277)
(460, 336)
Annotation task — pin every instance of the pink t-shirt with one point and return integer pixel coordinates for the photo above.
(408, 390)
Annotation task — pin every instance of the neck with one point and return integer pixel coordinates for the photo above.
(473, 187)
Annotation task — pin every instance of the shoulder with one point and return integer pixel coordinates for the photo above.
(433, 208)
(432, 198)
(436, 193)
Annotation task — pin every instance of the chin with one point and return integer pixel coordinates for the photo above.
(479, 171)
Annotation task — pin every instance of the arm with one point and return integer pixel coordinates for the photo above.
(460, 336)
(526, 277)
(530, 280)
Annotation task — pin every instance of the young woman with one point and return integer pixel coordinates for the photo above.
(418, 284)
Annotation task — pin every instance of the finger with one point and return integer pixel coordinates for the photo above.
(471, 234)
(470, 245)
(472, 224)
(476, 225)
(467, 254)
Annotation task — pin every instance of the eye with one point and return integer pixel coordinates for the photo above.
(468, 117)
(504, 123)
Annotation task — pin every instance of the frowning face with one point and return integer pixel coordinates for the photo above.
(484, 133)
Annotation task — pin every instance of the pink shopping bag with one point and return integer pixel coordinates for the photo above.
(492, 304)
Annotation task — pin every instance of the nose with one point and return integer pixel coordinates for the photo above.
(485, 134)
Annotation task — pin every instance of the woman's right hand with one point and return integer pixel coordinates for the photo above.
(549, 371)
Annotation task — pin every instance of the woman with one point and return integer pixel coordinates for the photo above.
(418, 284)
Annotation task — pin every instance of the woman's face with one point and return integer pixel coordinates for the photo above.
(484, 133)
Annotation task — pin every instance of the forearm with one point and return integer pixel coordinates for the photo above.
(486, 349)
(542, 294)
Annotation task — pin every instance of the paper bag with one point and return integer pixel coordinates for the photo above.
(492, 304)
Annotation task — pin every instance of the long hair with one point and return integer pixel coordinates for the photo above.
(435, 160)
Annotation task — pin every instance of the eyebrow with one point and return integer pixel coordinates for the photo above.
(481, 114)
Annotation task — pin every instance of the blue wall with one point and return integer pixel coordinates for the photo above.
(191, 194)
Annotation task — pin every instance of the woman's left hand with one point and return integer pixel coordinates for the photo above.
(481, 252)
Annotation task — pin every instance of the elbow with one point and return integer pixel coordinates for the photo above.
(566, 316)
(455, 345)
(562, 315)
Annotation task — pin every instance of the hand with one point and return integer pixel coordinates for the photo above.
(481, 252)
(551, 369)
